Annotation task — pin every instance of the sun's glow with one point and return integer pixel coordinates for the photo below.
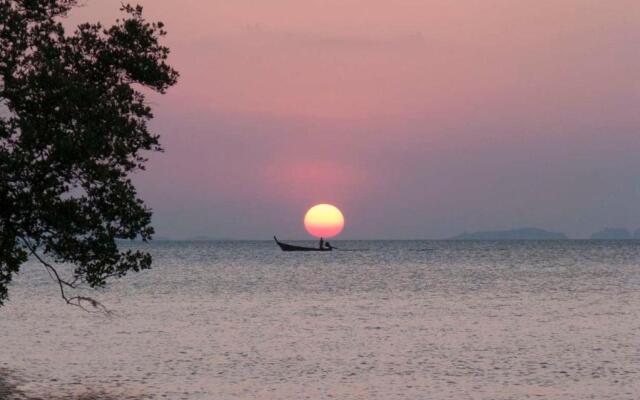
(324, 220)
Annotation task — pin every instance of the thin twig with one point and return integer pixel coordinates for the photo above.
(53, 273)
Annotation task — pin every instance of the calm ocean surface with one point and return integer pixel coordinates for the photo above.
(400, 320)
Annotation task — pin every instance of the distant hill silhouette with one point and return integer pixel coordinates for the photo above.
(613, 234)
(162, 238)
(200, 238)
(205, 238)
(512, 234)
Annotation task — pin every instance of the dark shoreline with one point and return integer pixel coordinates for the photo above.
(9, 386)
(9, 390)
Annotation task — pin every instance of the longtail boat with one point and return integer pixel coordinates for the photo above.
(290, 247)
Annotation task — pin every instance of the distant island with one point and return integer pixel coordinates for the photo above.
(512, 234)
(615, 234)
(205, 238)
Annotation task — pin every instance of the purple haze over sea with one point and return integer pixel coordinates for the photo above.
(419, 119)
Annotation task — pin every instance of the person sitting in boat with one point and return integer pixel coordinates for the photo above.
(328, 245)
(321, 243)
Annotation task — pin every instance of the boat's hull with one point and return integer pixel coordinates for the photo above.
(290, 247)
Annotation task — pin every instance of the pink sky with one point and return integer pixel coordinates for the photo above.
(419, 119)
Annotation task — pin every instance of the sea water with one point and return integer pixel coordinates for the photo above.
(391, 320)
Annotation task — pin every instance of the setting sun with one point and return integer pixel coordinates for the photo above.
(324, 220)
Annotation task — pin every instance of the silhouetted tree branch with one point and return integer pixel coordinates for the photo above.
(73, 127)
